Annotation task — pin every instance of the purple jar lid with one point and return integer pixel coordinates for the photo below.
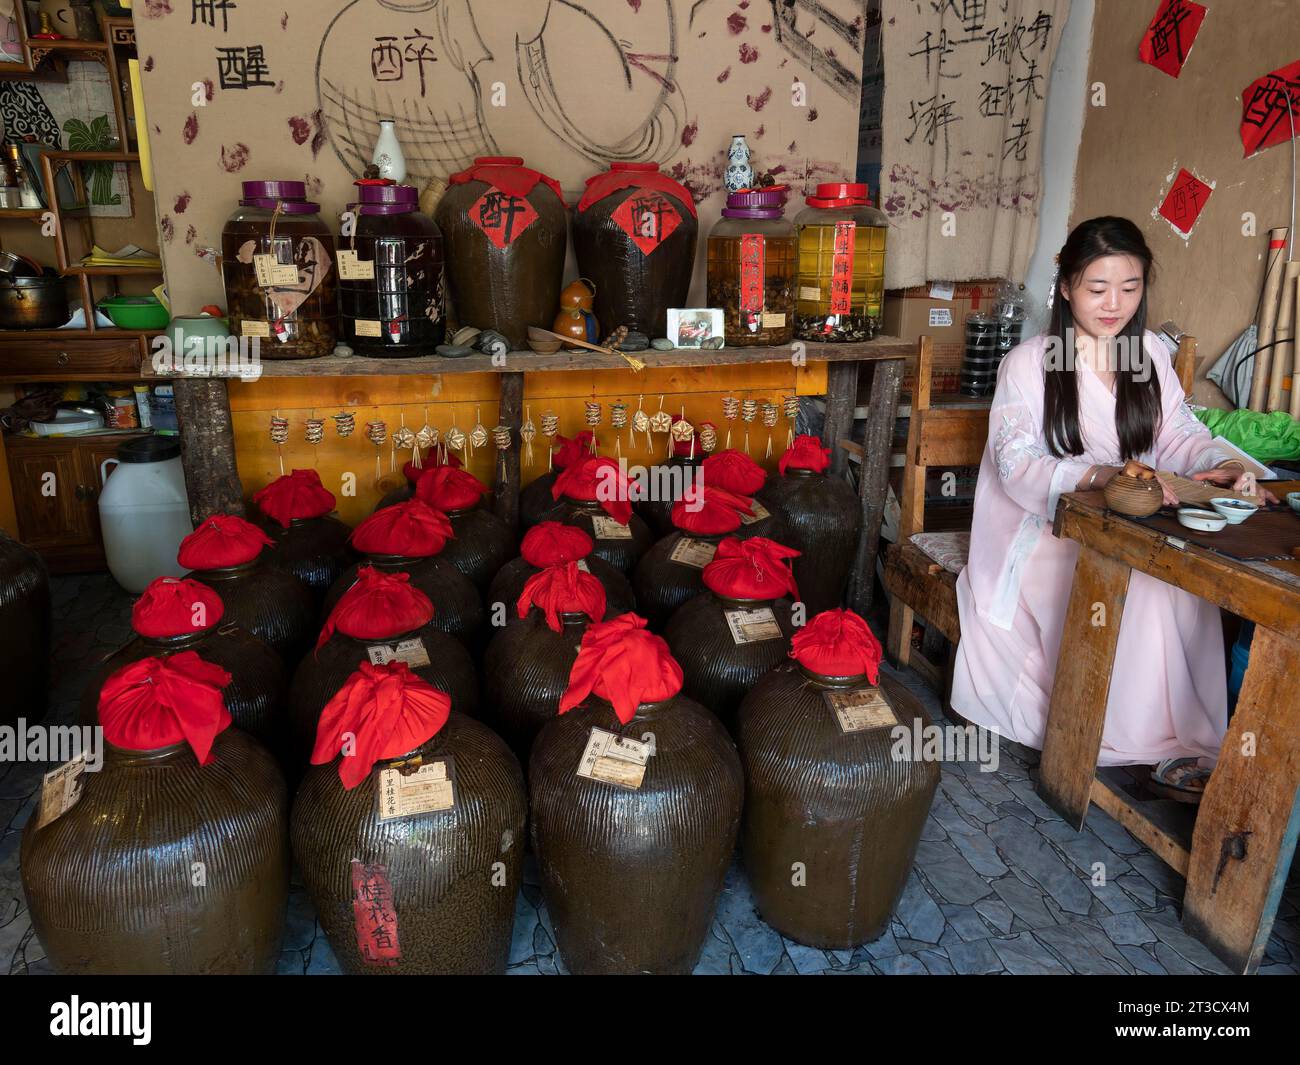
(286, 206)
(756, 203)
(389, 194)
(275, 190)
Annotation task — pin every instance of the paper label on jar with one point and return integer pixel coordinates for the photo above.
(250, 328)
(428, 790)
(374, 914)
(753, 626)
(809, 292)
(614, 759)
(60, 790)
(367, 327)
(862, 709)
(353, 269)
(411, 651)
(752, 247)
(501, 216)
(773, 319)
(607, 528)
(842, 267)
(272, 272)
(648, 218)
(691, 552)
(760, 512)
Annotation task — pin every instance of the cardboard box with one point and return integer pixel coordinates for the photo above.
(910, 312)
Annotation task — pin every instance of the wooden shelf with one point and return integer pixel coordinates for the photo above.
(94, 157)
(30, 214)
(531, 362)
(110, 332)
(109, 271)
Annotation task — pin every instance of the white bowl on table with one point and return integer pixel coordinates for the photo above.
(1234, 510)
(1293, 500)
(1201, 520)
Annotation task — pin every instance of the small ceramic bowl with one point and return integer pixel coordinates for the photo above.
(1201, 520)
(1293, 501)
(544, 347)
(1234, 510)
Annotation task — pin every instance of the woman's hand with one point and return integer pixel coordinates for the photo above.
(1236, 478)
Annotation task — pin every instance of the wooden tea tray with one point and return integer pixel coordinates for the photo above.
(1266, 536)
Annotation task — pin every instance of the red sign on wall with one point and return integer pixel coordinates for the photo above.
(842, 267)
(1265, 116)
(648, 217)
(375, 916)
(1185, 201)
(1169, 38)
(752, 268)
(501, 216)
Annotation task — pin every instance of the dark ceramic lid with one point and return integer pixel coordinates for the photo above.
(275, 190)
(149, 449)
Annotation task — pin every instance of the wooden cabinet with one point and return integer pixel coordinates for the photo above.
(56, 489)
(42, 357)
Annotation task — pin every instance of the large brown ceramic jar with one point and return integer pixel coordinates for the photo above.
(634, 234)
(307, 540)
(482, 541)
(505, 230)
(509, 582)
(24, 632)
(734, 471)
(670, 481)
(537, 502)
(621, 544)
(663, 582)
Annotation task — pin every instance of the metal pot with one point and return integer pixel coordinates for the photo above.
(33, 302)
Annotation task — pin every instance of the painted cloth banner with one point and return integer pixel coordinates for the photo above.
(965, 105)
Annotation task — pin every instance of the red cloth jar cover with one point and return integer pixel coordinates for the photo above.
(412, 530)
(174, 607)
(592, 478)
(380, 712)
(735, 471)
(445, 488)
(624, 663)
(633, 175)
(563, 589)
(837, 643)
(157, 702)
(435, 458)
(751, 569)
(570, 450)
(377, 606)
(806, 453)
(220, 541)
(549, 543)
(508, 173)
(718, 513)
(299, 494)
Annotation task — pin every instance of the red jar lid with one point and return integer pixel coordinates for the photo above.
(839, 194)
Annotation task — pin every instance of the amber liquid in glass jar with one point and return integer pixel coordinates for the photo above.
(841, 276)
(751, 276)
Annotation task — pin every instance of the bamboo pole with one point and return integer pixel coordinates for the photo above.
(1284, 335)
(1268, 305)
(1295, 366)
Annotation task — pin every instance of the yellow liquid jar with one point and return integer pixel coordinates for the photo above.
(840, 277)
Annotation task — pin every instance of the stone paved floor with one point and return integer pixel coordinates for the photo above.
(1001, 884)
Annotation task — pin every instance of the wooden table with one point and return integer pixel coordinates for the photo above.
(1239, 852)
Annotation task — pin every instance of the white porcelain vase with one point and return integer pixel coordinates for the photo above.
(740, 175)
(388, 152)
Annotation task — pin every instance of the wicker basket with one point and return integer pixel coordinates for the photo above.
(1134, 497)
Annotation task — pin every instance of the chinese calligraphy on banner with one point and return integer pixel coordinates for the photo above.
(965, 99)
(1265, 116)
(1170, 36)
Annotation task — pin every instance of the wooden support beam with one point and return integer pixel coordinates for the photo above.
(208, 448)
(873, 475)
(506, 486)
(841, 399)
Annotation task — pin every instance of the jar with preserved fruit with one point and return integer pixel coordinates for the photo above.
(751, 268)
(841, 280)
(278, 265)
(391, 301)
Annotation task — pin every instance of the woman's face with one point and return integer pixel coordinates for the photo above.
(1105, 296)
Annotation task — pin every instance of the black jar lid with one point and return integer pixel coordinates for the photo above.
(149, 449)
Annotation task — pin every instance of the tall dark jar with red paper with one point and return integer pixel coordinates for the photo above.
(526, 666)
(597, 497)
(734, 471)
(226, 554)
(173, 857)
(739, 627)
(409, 538)
(537, 502)
(24, 632)
(173, 616)
(636, 793)
(409, 830)
(482, 542)
(824, 787)
(306, 539)
(417, 467)
(505, 230)
(822, 518)
(634, 237)
(382, 618)
(553, 543)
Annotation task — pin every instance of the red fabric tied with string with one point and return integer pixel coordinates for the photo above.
(572, 450)
(412, 530)
(838, 643)
(432, 461)
(592, 478)
(719, 512)
(806, 453)
(445, 488)
(636, 175)
(174, 607)
(157, 702)
(220, 541)
(735, 471)
(563, 589)
(550, 543)
(508, 173)
(380, 712)
(757, 568)
(379, 605)
(299, 494)
(624, 663)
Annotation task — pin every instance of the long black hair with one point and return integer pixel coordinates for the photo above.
(1137, 395)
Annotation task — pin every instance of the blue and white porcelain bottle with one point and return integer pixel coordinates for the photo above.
(740, 175)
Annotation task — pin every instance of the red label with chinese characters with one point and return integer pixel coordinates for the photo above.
(751, 280)
(1185, 201)
(1170, 36)
(1264, 118)
(648, 217)
(842, 267)
(501, 216)
(376, 919)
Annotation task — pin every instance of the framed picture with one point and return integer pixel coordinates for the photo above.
(691, 327)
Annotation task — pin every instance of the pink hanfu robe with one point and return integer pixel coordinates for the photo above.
(1168, 693)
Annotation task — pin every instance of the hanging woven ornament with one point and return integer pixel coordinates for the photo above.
(550, 426)
(377, 433)
(478, 436)
(528, 433)
(748, 412)
(770, 415)
(344, 423)
(640, 424)
(403, 438)
(501, 439)
(682, 431)
(730, 408)
(315, 431)
(618, 421)
(791, 407)
(279, 435)
(593, 420)
(661, 422)
(425, 438)
(455, 439)
(708, 437)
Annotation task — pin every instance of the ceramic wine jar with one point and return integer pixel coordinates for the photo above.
(315, 550)
(509, 582)
(621, 545)
(24, 632)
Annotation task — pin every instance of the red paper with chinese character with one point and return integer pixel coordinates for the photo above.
(648, 217)
(751, 279)
(1168, 39)
(842, 267)
(1185, 201)
(501, 216)
(376, 917)
(1264, 118)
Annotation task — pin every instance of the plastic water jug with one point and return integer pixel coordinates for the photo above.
(144, 511)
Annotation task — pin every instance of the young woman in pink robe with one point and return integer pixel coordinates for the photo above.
(1060, 425)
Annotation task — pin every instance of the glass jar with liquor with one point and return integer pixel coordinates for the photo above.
(751, 268)
(841, 278)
